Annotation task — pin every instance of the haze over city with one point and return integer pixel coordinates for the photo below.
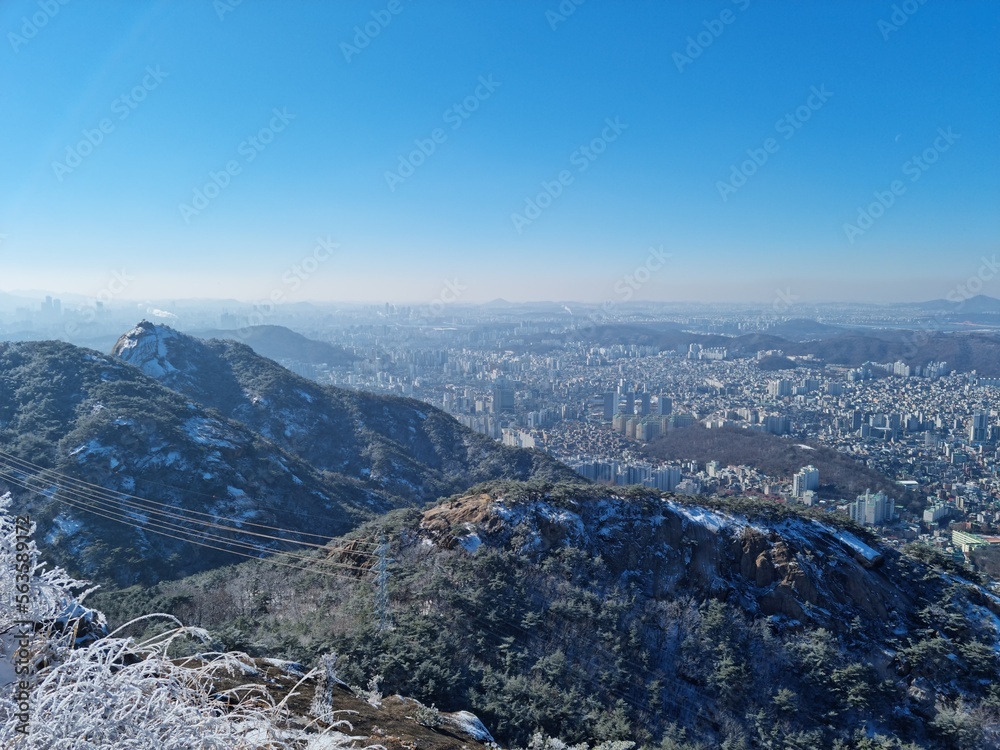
(522, 151)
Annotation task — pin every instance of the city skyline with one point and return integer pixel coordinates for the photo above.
(397, 152)
(782, 299)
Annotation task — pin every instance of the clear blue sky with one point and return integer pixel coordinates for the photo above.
(886, 95)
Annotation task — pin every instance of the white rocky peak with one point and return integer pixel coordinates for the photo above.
(147, 346)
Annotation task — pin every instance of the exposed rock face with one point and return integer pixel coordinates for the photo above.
(147, 346)
(797, 570)
(763, 570)
(441, 522)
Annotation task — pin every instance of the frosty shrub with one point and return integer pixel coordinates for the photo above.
(427, 716)
(52, 590)
(326, 681)
(115, 693)
(540, 742)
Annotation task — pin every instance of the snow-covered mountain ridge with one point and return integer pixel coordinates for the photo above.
(173, 433)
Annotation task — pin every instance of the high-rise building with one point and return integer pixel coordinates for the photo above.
(979, 429)
(664, 405)
(679, 420)
(629, 403)
(872, 510)
(666, 478)
(936, 512)
(807, 478)
(779, 388)
(610, 405)
(644, 399)
(503, 399)
(777, 425)
(647, 429)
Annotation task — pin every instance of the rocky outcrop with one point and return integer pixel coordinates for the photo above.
(796, 570)
(444, 523)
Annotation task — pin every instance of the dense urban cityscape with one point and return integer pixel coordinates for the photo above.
(536, 377)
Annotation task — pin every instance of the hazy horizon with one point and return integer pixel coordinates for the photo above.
(787, 303)
(405, 152)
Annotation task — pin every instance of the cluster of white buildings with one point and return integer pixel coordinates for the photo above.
(872, 510)
(665, 477)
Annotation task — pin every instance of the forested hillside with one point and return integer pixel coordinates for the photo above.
(841, 477)
(130, 480)
(669, 622)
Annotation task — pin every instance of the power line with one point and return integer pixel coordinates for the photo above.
(29, 466)
(186, 535)
(108, 510)
(102, 502)
(86, 489)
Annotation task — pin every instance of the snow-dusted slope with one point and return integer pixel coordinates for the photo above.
(400, 446)
(793, 569)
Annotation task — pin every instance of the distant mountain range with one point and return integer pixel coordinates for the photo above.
(977, 304)
(212, 427)
(803, 329)
(964, 351)
(283, 344)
